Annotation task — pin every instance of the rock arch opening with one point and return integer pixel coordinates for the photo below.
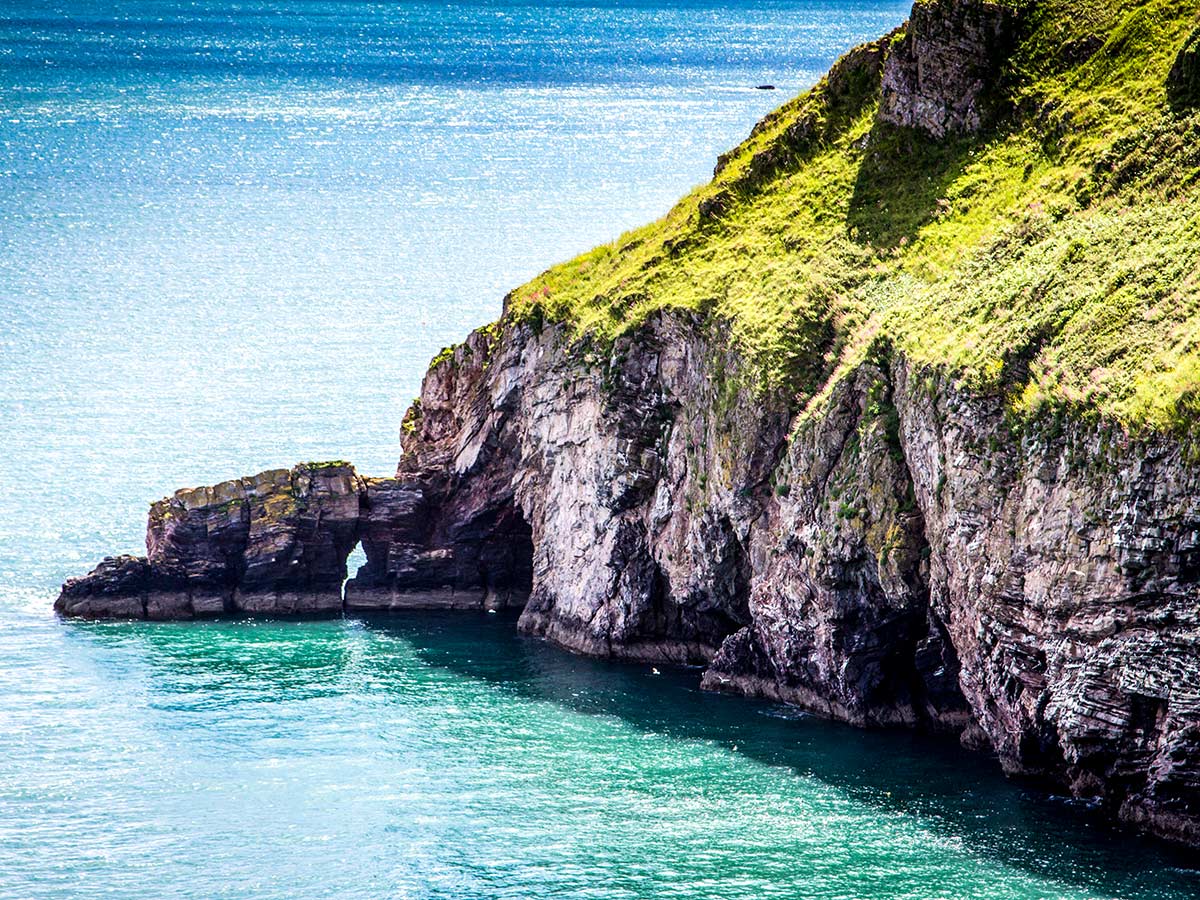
(442, 549)
(356, 559)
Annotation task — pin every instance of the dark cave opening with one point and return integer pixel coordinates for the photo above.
(501, 564)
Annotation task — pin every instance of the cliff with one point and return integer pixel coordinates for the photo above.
(894, 420)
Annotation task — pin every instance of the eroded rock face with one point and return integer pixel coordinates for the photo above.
(434, 548)
(1064, 563)
(273, 542)
(892, 555)
(617, 448)
(841, 618)
(537, 469)
(447, 530)
(122, 587)
(942, 74)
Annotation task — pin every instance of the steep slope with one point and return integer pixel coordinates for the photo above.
(894, 420)
(1045, 244)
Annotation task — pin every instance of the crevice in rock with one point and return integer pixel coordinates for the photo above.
(937, 695)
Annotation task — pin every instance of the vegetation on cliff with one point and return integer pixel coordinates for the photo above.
(1053, 253)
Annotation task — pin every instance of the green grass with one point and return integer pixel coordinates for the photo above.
(1055, 257)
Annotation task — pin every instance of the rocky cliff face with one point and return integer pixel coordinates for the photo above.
(893, 551)
(274, 542)
(840, 597)
(1033, 590)
(943, 72)
(895, 554)
(1066, 564)
(580, 470)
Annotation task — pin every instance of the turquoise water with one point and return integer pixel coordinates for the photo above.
(443, 756)
(231, 236)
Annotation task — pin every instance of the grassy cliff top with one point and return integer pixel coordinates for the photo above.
(1054, 254)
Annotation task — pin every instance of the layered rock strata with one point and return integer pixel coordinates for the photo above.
(274, 542)
(943, 72)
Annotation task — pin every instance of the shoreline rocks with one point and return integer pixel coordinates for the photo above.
(272, 542)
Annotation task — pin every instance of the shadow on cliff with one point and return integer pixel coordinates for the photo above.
(901, 184)
(951, 790)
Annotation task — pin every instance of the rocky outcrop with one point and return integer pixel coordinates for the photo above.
(943, 72)
(1035, 590)
(575, 462)
(1065, 561)
(125, 587)
(841, 621)
(274, 542)
(893, 554)
(446, 531)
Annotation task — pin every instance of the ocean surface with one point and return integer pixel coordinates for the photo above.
(232, 234)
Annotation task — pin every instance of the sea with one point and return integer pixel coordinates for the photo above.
(232, 235)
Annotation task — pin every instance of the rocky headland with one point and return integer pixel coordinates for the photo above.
(879, 537)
